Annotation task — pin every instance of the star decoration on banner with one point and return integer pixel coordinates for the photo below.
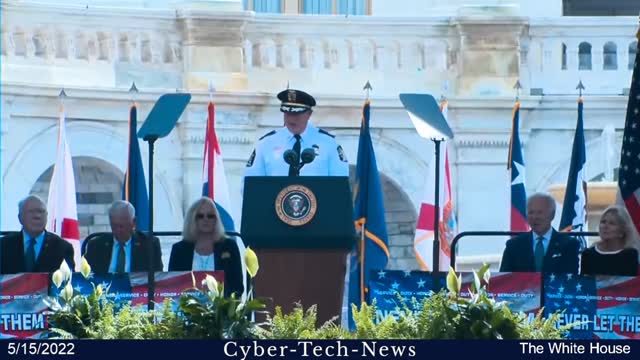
(421, 283)
(395, 285)
(381, 274)
(407, 273)
(520, 177)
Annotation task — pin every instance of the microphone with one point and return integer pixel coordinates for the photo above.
(290, 157)
(308, 155)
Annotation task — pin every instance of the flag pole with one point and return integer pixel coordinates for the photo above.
(367, 87)
(436, 217)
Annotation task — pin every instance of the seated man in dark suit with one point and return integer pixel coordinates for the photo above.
(126, 250)
(33, 249)
(543, 249)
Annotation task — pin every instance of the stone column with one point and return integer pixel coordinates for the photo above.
(213, 41)
(489, 51)
(482, 179)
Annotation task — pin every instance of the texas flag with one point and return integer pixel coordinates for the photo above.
(214, 181)
(423, 241)
(61, 204)
(516, 170)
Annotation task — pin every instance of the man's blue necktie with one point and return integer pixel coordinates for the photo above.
(539, 254)
(30, 256)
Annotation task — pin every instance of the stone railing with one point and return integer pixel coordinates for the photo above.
(243, 51)
(54, 45)
(334, 53)
(563, 51)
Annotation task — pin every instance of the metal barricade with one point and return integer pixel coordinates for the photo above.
(456, 239)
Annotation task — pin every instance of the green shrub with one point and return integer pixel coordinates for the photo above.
(206, 314)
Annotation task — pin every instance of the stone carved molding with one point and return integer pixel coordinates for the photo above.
(350, 54)
(91, 45)
(486, 140)
(223, 139)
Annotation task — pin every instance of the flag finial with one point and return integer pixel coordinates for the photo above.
(445, 90)
(517, 86)
(367, 87)
(287, 84)
(62, 95)
(580, 87)
(212, 89)
(133, 90)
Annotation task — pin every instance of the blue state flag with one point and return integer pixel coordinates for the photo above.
(135, 185)
(574, 207)
(372, 252)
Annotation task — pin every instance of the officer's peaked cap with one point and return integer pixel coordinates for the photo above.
(295, 101)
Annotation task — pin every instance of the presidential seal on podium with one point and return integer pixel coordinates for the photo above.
(296, 205)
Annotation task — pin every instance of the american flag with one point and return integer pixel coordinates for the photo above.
(388, 287)
(22, 301)
(174, 284)
(629, 173)
(606, 306)
(134, 287)
(520, 290)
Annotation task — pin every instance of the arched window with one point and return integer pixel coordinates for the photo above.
(584, 56)
(610, 53)
(263, 6)
(633, 52)
(564, 56)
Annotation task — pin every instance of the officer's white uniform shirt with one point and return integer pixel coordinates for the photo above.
(267, 159)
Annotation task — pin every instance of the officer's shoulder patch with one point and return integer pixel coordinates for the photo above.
(267, 134)
(251, 158)
(341, 154)
(326, 133)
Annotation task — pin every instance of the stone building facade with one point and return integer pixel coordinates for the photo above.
(472, 54)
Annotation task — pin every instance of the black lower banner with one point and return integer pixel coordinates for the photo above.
(323, 349)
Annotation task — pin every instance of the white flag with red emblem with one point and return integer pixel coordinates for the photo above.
(61, 204)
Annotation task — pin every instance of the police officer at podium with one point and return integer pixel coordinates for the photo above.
(313, 151)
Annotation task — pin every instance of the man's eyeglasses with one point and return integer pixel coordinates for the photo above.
(209, 216)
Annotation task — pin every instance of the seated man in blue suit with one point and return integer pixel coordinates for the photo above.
(125, 250)
(543, 249)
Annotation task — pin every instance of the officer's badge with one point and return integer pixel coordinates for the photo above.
(225, 255)
(291, 95)
(341, 154)
(251, 158)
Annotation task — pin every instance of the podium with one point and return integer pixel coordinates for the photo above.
(302, 230)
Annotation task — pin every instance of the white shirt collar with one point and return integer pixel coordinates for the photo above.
(546, 236)
(308, 130)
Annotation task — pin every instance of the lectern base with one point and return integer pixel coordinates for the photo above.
(307, 276)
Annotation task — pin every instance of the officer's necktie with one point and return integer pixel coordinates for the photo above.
(121, 259)
(30, 256)
(296, 149)
(539, 254)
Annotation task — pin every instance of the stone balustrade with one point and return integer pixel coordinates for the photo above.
(91, 46)
(598, 51)
(243, 51)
